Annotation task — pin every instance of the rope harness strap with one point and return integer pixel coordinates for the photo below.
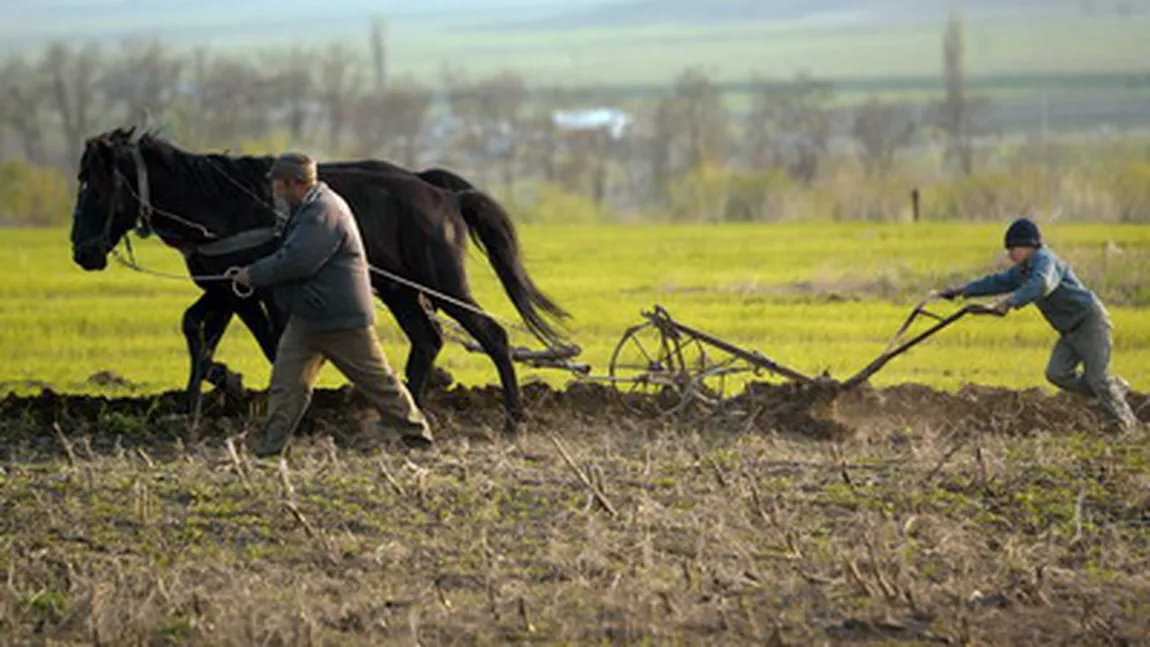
(244, 291)
(241, 290)
(242, 241)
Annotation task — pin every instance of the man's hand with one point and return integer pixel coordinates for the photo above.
(950, 294)
(1002, 306)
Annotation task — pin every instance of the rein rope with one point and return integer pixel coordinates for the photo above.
(143, 197)
(242, 291)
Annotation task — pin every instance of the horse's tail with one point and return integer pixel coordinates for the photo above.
(444, 179)
(493, 232)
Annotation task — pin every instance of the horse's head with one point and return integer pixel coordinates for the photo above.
(106, 204)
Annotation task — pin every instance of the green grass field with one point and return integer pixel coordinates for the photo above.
(812, 296)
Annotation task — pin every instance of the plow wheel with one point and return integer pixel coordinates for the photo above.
(666, 368)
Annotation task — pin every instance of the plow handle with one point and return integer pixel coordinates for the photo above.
(898, 349)
(978, 309)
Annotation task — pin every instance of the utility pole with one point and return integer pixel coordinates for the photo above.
(379, 52)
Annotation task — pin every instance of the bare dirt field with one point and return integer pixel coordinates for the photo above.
(901, 516)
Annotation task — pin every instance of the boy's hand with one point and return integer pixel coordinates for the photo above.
(950, 293)
(1001, 306)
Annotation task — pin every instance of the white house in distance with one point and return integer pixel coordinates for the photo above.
(613, 121)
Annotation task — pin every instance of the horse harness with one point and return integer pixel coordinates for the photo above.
(216, 246)
(244, 240)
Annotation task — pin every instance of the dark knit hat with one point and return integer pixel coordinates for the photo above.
(293, 166)
(1023, 233)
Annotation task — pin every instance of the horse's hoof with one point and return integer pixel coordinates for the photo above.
(514, 423)
(188, 406)
(234, 384)
(439, 379)
(225, 380)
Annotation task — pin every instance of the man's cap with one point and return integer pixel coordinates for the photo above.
(293, 166)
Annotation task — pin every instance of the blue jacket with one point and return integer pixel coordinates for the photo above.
(1049, 283)
(320, 272)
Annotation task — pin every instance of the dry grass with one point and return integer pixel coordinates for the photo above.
(917, 534)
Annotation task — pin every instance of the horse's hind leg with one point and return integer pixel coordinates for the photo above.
(493, 338)
(261, 324)
(426, 340)
(445, 264)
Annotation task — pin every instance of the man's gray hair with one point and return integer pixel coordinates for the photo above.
(296, 166)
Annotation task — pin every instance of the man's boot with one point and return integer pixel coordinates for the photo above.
(274, 442)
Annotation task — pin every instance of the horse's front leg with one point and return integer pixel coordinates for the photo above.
(202, 329)
(218, 375)
(263, 329)
(265, 325)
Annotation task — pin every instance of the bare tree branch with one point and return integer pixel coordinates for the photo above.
(144, 80)
(73, 77)
(23, 91)
(790, 125)
(698, 109)
(881, 129)
(489, 113)
(339, 75)
(956, 112)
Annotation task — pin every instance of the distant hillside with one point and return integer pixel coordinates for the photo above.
(31, 23)
(630, 13)
(634, 43)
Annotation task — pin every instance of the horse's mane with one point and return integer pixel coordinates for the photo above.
(229, 192)
(212, 174)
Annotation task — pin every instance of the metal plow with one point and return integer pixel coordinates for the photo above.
(680, 366)
(675, 366)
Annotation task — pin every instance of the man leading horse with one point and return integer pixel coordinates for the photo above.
(320, 279)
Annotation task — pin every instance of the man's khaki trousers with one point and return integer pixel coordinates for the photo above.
(357, 354)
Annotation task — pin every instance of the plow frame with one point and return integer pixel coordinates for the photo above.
(682, 366)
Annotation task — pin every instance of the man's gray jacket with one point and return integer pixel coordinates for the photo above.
(320, 272)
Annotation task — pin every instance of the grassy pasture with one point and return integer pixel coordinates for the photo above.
(813, 296)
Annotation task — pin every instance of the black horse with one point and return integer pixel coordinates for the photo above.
(217, 210)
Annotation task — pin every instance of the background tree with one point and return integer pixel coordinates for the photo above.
(881, 129)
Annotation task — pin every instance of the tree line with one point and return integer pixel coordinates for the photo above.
(340, 101)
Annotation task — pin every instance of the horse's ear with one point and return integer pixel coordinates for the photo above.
(140, 130)
(149, 122)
